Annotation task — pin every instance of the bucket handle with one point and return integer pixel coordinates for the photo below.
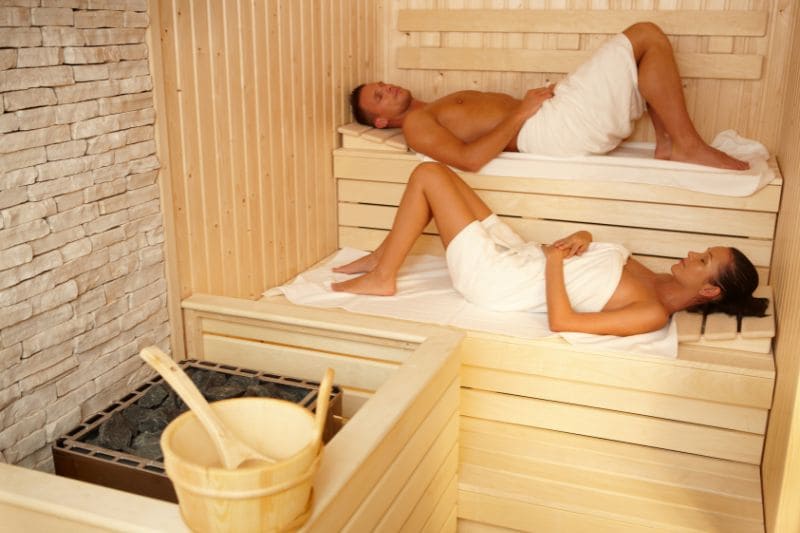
(253, 493)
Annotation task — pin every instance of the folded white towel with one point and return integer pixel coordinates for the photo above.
(425, 294)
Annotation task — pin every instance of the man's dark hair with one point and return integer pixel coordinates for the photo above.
(359, 114)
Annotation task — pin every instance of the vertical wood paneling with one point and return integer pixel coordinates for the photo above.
(253, 93)
(781, 464)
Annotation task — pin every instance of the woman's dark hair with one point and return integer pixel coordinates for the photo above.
(358, 113)
(737, 283)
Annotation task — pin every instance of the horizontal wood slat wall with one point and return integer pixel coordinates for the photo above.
(253, 92)
(661, 225)
(715, 66)
(712, 31)
(675, 22)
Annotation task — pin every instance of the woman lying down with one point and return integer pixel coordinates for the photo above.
(583, 286)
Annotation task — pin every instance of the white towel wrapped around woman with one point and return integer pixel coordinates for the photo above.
(491, 266)
(593, 109)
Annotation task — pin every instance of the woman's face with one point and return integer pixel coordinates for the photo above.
(700, 270)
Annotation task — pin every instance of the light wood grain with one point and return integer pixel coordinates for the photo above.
(678, 22)
(250, 108)
(716, 66)
(661, 433)
(396, 168)
(443, 418)
(780, 468)
(667, 406)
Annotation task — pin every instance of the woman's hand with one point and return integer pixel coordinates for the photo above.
(574, 244)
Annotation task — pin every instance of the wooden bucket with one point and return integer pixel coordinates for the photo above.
(254, 497)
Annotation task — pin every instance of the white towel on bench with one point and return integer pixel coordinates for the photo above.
(634, 163)
(426, 294)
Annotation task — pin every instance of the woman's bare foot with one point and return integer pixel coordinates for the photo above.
(362, 264)
(370, 283)
(703, 154)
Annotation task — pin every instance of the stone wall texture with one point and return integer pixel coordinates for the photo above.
(82, 281)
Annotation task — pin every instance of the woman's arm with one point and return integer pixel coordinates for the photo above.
(637, 317)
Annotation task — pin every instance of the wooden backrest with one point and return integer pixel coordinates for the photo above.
(563, 54)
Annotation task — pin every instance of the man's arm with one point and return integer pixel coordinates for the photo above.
(424, 134)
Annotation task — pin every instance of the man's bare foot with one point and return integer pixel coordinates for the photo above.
(706, 155)
(362, 264)
(370, 283)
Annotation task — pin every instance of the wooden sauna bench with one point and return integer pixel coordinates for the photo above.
(555, 437)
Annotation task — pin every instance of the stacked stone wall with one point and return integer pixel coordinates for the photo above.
(82, 281)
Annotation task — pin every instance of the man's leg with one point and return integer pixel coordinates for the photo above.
(660, 84)
(476, 206)
(433, 190)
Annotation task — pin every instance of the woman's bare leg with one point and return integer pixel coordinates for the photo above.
(660, 84)
(433, 190)
(474, 204)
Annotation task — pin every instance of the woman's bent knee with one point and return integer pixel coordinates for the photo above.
(428, 171)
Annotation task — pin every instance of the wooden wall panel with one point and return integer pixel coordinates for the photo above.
(715, 105)
(781, 463)
(252, 94)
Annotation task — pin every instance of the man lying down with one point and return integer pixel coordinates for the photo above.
(589, 112)
(583, 286)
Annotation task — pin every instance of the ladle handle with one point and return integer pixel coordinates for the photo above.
(323, 399)
(189, 393)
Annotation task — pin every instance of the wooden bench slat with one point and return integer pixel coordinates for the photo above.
(516, 515)
(625, 487)
(589, 210)
(700, 373)
(380, 135)
(398, 141)
(590, 501)
(668, 406)
(690, 65)
(360, 143)
(689, 325)
(720, 326)
(619, 458)
(637, 240)
(363, 165)
(759, 327)
(626, 427)
(673, 22)
(353, 129)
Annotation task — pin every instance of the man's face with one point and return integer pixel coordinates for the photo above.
(381, 100)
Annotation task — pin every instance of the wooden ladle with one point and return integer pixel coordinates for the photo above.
(323, 399)
(230, 448)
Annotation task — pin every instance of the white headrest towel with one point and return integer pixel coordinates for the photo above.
(633, 162)
(425, 294)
